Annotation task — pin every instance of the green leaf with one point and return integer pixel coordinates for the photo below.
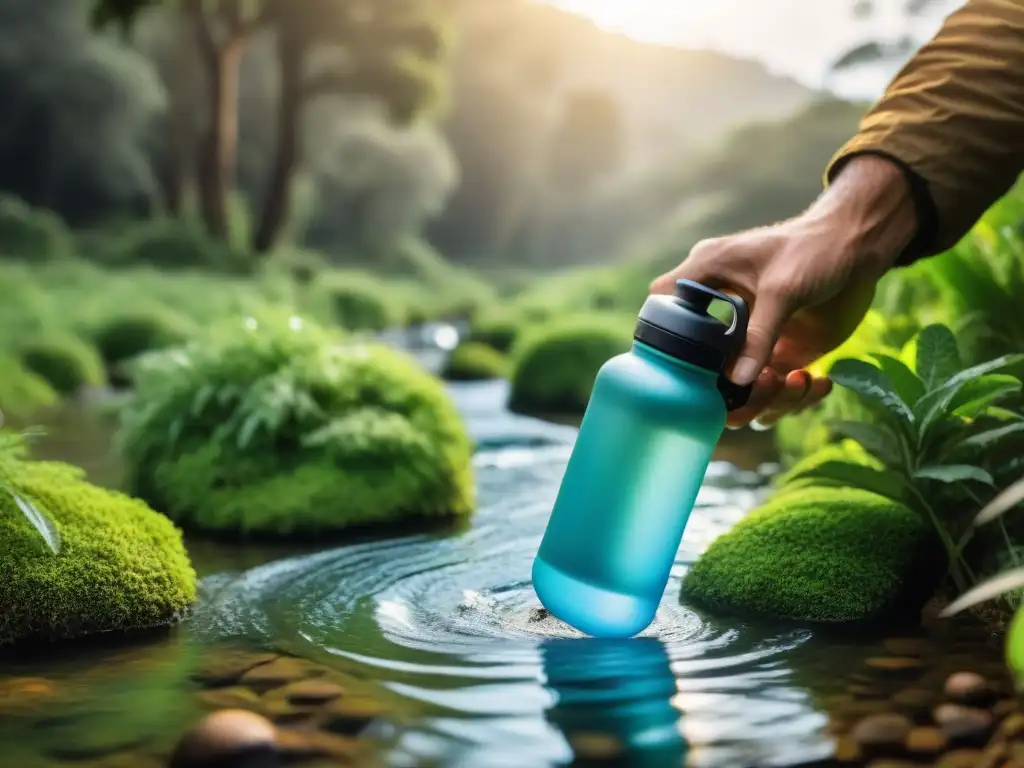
(847, 473)
(1004, 501)
(977, 395)
(877, 439)
(935, 404)
(989, 437)
(987, 590)
(938, 358)
(954, 473)
(907, 384)
(39, 520)
(870, 383)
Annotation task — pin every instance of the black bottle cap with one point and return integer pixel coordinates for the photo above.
(681, 326)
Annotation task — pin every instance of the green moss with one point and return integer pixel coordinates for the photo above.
(121, 566)
(22, 392)
(817, 554)
(358, 302)
(173, 244)
(123, 337)
(475, 362)
(497, 330)
(555, 366)
(68, 364)
(274, 426)
(32, 234)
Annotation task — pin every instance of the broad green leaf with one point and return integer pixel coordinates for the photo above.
(877, 439)
(981, 440)
(907, 384)
(1004, 501)
(883, 482)
(869, 382)
(935, 404)
(938, 358)
(987, 590)
(39, 520)
(954, 473)
(977, 395)
(1003, 414)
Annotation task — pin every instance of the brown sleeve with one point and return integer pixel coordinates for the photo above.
(953, 119)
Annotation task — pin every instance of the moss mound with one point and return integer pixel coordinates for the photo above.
(21, 391)
(358, 302)
(274, 426)
(817, 554)
(475, 362)
(172, 244)
(32, 234)
(555, 366)
(121, 566)
(123, 337)
(499, 332)
(66, 363)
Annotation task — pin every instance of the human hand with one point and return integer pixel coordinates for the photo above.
(809, 282)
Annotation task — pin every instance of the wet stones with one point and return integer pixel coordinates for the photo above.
(926, 742)
(882, 735)
(970, 689)
(965, 726)
(230, 737)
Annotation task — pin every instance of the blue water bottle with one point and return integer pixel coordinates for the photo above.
(650, 428)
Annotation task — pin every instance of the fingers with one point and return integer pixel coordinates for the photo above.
(702, 265)
(767, 387)
(775, 396)
(766, 319)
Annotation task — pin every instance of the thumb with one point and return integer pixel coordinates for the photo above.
(766, 320)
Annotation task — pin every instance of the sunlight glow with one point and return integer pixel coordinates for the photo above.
(651, 21)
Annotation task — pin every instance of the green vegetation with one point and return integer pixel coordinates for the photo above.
(121, 338)
(359, 302)
(66, 363)
(272, 425)
(473, 361)
(554, 366)
(499, 331)
(118, 565)
(21, 391)
(817, 554)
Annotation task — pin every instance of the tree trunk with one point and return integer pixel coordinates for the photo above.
(277, 204)
(219, 146)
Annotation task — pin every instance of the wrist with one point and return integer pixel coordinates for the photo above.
(870, 208)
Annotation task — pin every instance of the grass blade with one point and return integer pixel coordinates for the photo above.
(1002, 503)
(987, 590)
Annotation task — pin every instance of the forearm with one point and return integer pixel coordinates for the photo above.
(953, 121)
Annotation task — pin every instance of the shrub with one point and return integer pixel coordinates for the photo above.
(123, 337)
(21, 391)
(32, 234)
(66, 363)
(358, 302)
(175, 244)
(554, 367)
(497, 331)
(822, 554)
(120, 565)
(275, 426)
(475, 362)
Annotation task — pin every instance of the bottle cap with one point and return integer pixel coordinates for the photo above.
(681, 326)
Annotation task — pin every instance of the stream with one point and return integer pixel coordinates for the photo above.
(447, 623)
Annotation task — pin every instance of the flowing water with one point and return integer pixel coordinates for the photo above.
(449, 624)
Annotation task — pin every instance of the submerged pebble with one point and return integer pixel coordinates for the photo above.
(230, 737)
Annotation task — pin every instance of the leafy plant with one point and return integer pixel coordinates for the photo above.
(12, 447)
(937, 424)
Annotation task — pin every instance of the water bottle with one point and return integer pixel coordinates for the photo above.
(644, 445)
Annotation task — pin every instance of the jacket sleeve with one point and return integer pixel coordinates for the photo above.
(953, 119)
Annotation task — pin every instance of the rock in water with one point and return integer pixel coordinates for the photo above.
(230, 738)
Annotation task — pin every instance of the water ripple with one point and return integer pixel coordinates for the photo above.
(452, 624)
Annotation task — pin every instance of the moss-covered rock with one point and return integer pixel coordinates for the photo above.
(66, 363)
(121, 566)
(498, 331)
(554, 367)
(472, 361)
(358, 302)
(275, 426)
(818, 554)
(21, 391)
(122, 337)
